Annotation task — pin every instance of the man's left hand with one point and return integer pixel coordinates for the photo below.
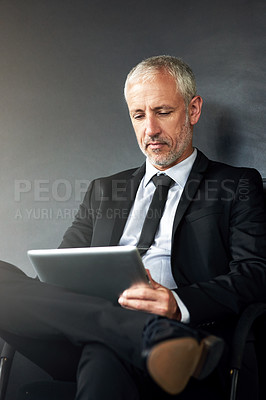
(155, 299)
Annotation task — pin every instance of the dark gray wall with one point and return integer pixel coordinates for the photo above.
(63, 120)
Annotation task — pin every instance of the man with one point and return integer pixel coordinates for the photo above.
(206, 262)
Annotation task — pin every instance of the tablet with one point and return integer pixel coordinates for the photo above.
(95, 271)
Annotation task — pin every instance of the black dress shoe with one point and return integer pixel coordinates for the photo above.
(174, 352)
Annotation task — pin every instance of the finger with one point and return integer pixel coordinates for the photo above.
(138, 305)
(153, 307)
(152, 282)
(160, 302)
(142, 293)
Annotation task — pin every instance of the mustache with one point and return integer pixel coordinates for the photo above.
(156, 140)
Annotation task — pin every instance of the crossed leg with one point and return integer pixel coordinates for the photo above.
(40, 319)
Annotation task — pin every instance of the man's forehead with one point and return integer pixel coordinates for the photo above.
(161, 92)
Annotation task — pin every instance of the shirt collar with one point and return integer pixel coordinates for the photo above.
(179, 172)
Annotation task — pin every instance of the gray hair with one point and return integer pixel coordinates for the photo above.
(180, 71)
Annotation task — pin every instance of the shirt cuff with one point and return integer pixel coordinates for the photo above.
(185, 317)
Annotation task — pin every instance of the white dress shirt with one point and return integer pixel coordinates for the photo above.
(158, 258)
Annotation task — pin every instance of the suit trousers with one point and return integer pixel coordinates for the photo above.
(34, 315)
(104, 375)
(86, 339)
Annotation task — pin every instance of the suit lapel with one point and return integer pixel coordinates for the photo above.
(190, 189)
(125, 205)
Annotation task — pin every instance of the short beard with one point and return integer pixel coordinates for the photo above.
(174, 154)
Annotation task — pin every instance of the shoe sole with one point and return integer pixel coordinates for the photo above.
(172, 362)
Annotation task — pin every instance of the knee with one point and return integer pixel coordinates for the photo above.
(5, 266)
(9, 271)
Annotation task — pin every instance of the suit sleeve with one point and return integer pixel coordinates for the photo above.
(228, 294)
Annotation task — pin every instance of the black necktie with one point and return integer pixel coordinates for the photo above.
(155, 212)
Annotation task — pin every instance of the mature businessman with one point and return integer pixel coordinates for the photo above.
(206, 262)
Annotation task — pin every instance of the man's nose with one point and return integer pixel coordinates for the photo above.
(152, 126)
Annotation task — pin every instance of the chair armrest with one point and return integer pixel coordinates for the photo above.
(245, 322)
(6, 360)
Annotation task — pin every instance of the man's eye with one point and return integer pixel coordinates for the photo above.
(138, 116)
(164, 112)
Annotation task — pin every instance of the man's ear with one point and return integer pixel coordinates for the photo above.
(194, 109)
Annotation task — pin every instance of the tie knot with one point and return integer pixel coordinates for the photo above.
(162, 180)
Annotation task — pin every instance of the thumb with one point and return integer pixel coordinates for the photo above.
(154, 284)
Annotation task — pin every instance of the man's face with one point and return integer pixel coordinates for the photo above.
(161, 122)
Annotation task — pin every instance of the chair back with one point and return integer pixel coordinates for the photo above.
(264, 189)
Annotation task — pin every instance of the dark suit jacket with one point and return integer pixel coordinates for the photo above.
(218, 239)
